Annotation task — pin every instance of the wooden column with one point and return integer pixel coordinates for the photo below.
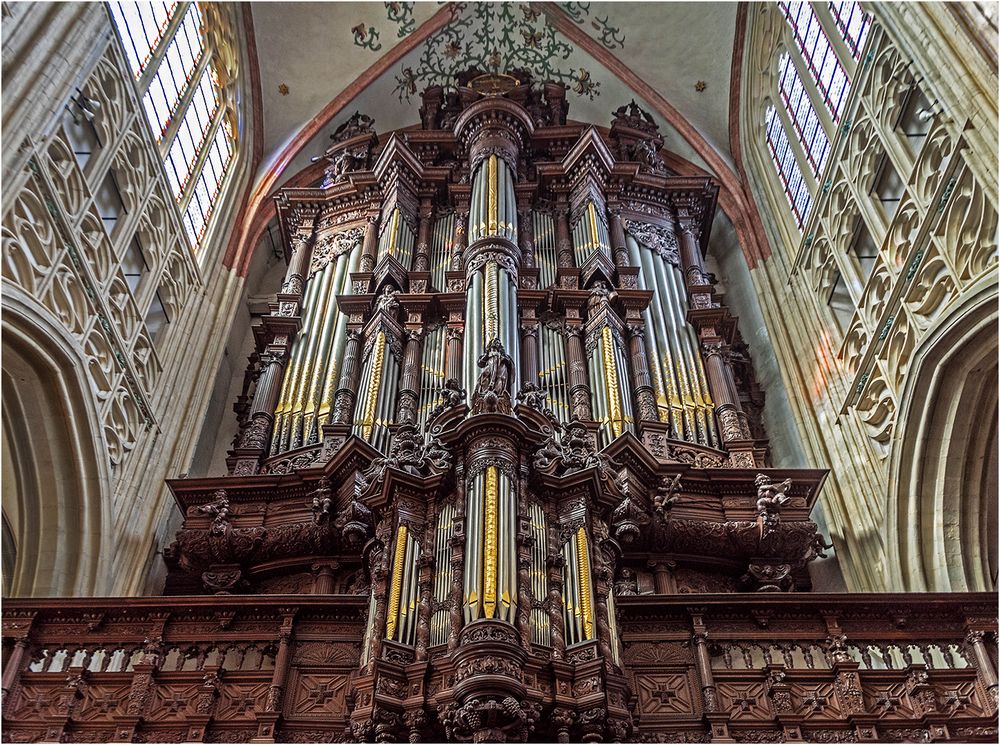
(579, 387)
(422, 258)
(369, 248)
(268, 719)
(409, 380)
(618, 246)
(347, 391)
(564, 240)
(642, 385)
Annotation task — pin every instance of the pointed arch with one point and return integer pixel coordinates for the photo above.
(56, 481)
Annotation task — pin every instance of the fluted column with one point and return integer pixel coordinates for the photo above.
(369, 247)
(255, 436)
(645, 397)
(347, 391)
(722, 385)
(564, 240)
(454, 353)
(409, 381)
(282, 660)
(529, 353)
(974, 643)
(422, 258)
(579, 387)
(618, 247)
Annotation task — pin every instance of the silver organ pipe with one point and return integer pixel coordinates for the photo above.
(432, 369)
(552, 371)
(377, 391)
(442, 241)
(546, 257)
(539, 580)
(440, 621)
(397, 239)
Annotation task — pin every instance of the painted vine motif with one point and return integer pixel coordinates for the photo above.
(494, 37)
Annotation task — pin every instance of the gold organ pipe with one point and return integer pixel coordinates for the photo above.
(491, 176)
(368, 417)
(397, 581)
(490, 542)
(611, 383)
(393, 232)
(491, 318)
(586, 595)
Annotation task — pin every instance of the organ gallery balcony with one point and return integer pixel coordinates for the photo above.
(714, 667)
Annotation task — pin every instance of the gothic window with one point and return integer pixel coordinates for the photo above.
(852, 23)
(165, 47)
(807, 126)
(787, 167)
(819, 56)
(141, 26)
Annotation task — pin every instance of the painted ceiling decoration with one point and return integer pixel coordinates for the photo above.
(493, 37)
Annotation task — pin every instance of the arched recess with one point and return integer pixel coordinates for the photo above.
(55, 478)
(941, 531)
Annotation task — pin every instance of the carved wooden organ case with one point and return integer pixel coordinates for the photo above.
(496, 391)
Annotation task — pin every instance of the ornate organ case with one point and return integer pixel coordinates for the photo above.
(496, 392)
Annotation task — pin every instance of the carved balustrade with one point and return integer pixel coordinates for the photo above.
(732, 667)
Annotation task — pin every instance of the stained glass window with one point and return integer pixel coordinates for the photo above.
(818, 54)
(787, 166)
(800, 108)
(163, 44)
(141, 25)
(853, 24)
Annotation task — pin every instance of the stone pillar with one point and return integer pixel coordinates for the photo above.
(422, 258)
(369, 248)
(347, 392)
(579, 387)
(409, 380)
(645, 397)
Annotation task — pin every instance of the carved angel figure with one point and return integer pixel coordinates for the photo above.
(452, 394)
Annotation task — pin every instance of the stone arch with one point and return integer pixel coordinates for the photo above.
(55, 474)
(941, 518)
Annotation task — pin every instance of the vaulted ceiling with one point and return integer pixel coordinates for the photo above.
(319, 62)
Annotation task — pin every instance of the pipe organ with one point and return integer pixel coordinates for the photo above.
(496, 391)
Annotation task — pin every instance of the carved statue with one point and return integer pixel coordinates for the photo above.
(634, 116)
(626, 584)
(646, 153)
(219, 510)
(771, 498)
(601, 296)
(357, 124)
(452, 394)
(387, 302)
(666, 495)
(627, 521)
(492, 392)
(322, 502)
(356, 524)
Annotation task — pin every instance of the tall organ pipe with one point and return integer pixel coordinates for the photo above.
(546, 256)
(672, 349)
(283, 412)
(335, 353)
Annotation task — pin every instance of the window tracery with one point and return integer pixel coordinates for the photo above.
(169, 51)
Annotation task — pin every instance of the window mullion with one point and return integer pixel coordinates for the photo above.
(203, 155)
(812, 90)
(177, 115)
(836, 38)
(157, 55)
(796, 144)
